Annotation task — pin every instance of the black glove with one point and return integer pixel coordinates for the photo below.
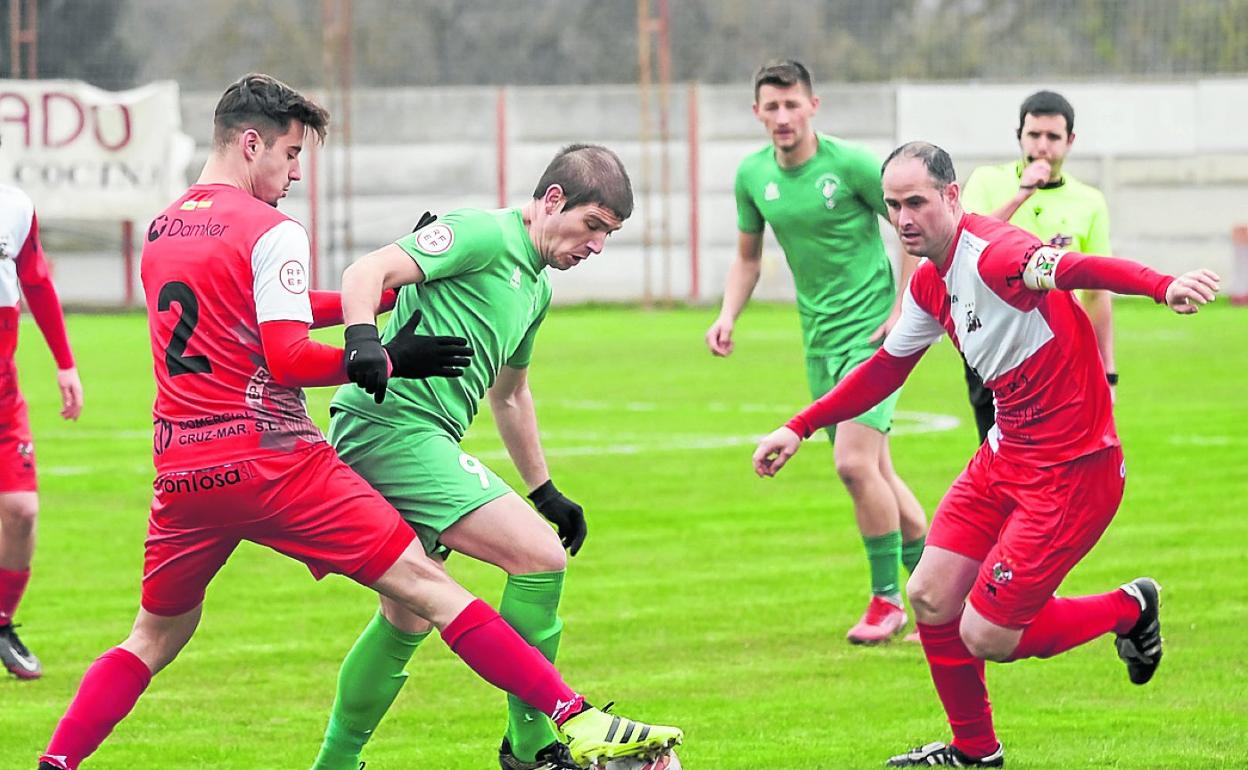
(426, 219)
(366, 359)
(417, 356)
(567, 516)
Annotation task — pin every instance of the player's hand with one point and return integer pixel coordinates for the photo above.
(1036, 174)
(1189, 291)
(567, 516)
(719, 337)
(417, 356)
(883, 329)
(775, 450)
(367, 363)
(71, 392)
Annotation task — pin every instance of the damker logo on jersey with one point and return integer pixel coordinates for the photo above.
(202, 481)
(294, 277)
(435, 239)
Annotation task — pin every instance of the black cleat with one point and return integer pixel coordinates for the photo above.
(20, 661)
(553, 757)
(1140, 648)
(940, 755)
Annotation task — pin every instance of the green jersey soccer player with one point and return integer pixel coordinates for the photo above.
(480, 275)
(822, 198)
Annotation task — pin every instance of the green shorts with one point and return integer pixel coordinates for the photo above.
(422, 472)
(824, 372)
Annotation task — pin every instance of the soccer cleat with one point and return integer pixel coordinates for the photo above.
(1140, 648)
(941, 755)
(594, 735)
(879, 623)
(556, 756)
(20, 661)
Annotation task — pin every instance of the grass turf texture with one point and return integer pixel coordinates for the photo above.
(704, 597)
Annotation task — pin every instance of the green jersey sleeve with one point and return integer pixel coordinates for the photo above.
(524, 351)
(463, 241)
(749, 218)
(867, 179)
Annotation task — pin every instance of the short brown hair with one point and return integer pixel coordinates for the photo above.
(589, 173)
(783, 73)
(266, 104)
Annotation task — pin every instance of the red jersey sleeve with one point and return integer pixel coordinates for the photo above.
(297, 361)
(868, 384)
(1050, 268)
(41, 297)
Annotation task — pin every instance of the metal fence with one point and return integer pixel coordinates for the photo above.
(204, 44)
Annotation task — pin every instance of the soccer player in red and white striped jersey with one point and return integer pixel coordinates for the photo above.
(24, 275)
(1040, 492)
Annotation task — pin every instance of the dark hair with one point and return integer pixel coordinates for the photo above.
(784, 73)
(937, 162)
(589, 173)
(266, 104)
(1046, 103)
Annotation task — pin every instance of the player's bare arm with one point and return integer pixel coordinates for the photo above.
(742, 278)
(364, 280)
(511, 402)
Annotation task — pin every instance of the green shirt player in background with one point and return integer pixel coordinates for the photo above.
(1033, 193)
(480, 275)
(821, 197)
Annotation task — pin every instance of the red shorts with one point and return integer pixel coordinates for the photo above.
(17, 450)
(1027, 526)
(308, 505)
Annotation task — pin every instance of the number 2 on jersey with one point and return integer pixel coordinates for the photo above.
(176, 360)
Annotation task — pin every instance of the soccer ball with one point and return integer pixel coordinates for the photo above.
(666, 762)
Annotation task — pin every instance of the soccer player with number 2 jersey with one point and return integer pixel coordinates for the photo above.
(237, 458)
(1040, 492)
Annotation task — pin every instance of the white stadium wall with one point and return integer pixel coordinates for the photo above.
(1172, 159)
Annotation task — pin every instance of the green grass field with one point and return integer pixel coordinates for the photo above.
(704, 597)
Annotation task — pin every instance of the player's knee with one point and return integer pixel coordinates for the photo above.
(927, 601)
(855, 469)
(19, 516)
(986, 645)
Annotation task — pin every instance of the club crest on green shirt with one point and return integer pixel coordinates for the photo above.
(771, 192)
(827, 185)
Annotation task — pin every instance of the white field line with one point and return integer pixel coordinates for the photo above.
(580, 443)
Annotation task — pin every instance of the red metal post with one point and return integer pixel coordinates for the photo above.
(127, 256)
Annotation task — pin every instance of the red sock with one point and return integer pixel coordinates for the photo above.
(12, 586)
(1066, 623)
(109, 690)
(501, 657)
(959, 679)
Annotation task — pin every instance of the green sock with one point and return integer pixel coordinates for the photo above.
(911, 551)
(530, 605)
(884, 555)
(368, 682)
